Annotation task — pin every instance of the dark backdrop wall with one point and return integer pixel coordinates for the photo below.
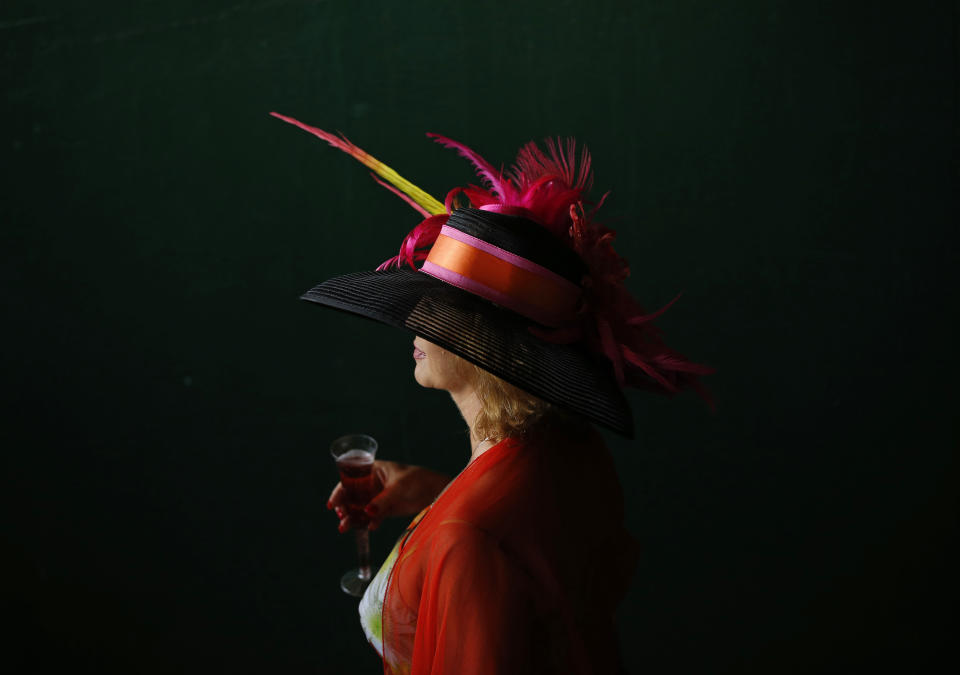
(168, 401)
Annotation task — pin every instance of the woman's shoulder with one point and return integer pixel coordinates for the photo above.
(556, 439)
(532, 477)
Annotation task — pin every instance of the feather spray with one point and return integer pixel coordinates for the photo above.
(549, 187)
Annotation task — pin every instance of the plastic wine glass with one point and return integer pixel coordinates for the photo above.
(354, 455)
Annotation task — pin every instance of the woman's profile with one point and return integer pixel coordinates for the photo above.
(515, 300)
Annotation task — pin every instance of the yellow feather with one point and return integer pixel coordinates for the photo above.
(422, 199)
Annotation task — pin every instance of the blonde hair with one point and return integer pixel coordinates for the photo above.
(505, 410)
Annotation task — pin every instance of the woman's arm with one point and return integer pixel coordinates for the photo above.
(404, 489)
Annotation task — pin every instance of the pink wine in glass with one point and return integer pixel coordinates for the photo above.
(354, 455)
(356, 475)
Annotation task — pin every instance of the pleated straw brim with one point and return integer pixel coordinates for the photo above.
(487, 335)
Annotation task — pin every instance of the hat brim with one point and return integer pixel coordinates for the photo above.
(489, 336)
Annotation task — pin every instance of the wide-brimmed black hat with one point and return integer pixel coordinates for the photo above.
(522, 283)
(490, 335)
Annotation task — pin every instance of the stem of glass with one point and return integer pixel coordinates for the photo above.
(363, 554)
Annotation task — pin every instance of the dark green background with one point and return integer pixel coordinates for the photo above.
(790, 166)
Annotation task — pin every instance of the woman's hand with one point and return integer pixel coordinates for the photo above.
(403, 489)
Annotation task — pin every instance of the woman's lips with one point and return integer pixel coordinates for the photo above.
(417, 354)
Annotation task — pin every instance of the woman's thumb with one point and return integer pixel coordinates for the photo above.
(380, 507)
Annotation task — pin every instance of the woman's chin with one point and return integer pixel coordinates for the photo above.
(421, 377)
(426, 381)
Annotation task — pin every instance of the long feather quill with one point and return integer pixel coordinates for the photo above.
(419, 197)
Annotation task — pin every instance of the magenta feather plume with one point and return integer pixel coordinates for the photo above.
(615, 324)
(546, 184)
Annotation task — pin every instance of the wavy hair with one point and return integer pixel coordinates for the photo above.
(505, 410)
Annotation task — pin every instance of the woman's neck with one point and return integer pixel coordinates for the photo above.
(468, 403)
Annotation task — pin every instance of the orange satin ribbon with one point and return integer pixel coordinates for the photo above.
(556, 298)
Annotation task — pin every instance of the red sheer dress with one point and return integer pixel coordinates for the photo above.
(516, 568)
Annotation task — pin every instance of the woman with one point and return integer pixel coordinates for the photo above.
(518, 563)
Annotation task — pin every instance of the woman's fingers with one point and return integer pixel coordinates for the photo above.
(351, 520)
(338, 505)
(336, 497)
(348, 522)
(350, 517)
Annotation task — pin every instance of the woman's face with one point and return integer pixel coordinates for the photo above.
(436, 367)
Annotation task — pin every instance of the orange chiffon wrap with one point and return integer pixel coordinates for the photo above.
(517, 568)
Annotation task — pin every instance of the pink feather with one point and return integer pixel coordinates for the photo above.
(680, 364)
(478, 196)
(640, 319)
(532, 163)
(635, 359)
(416, 245)
(609, 345)
(422, 211)
(500, 186)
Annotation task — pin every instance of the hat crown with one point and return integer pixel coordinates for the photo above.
(521, 237)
